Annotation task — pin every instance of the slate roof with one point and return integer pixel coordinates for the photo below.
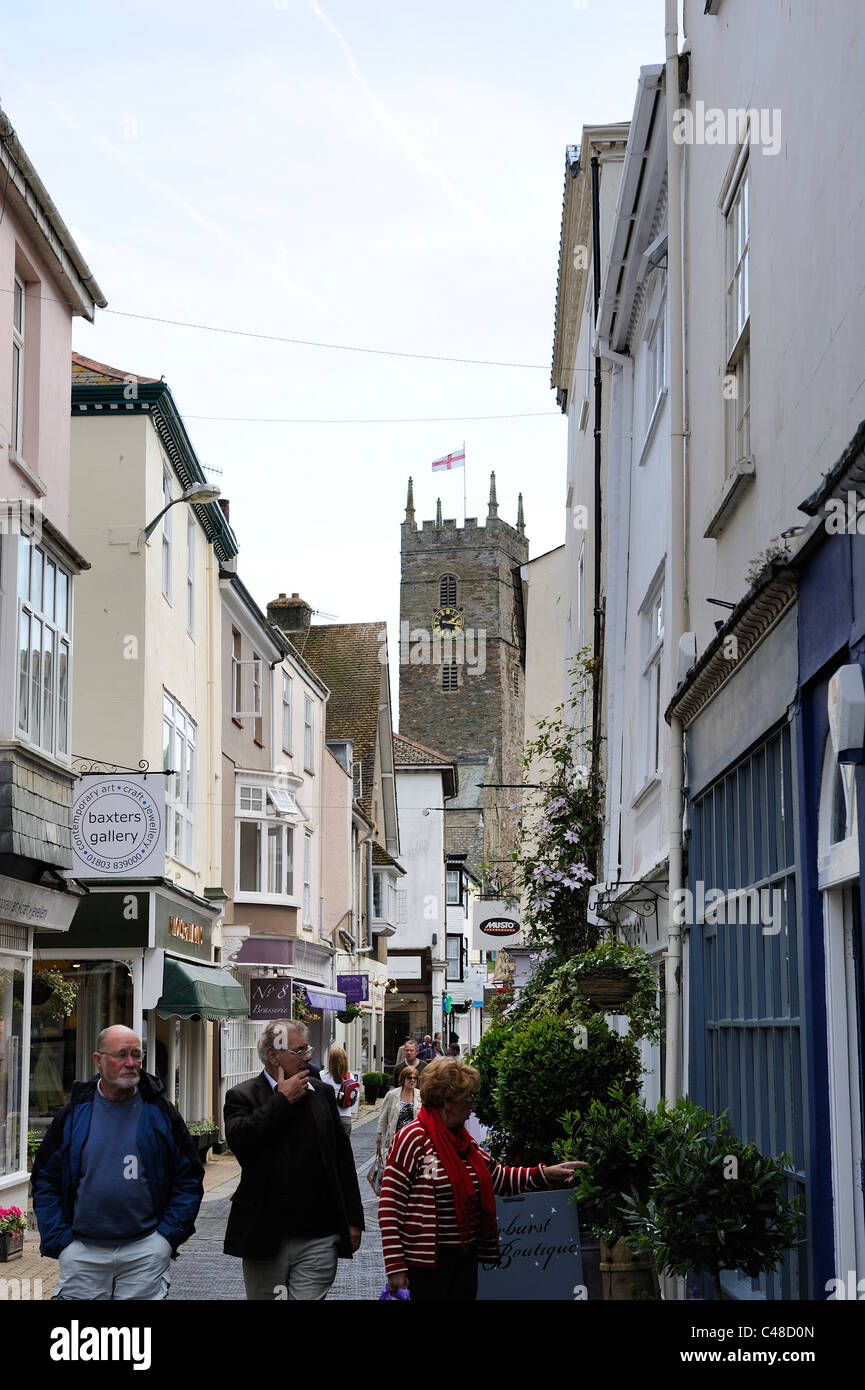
(347, 657)
(381, 856)
(408, 753)
(86, 372)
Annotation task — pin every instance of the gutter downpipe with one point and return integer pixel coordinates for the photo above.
(675, 740)
(597, 636)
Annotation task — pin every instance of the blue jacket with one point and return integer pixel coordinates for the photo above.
(170, 1158)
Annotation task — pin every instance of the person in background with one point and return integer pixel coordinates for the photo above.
(411, 1060)
(346, 1085)
(400, 1056)
(400, 1107)
(453, 1049)
(437, 1210)
(438, 1051)
(425, 1051)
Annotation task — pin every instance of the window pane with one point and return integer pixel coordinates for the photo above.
(35, 680)
(36, 578)
(23, 669)
(249, 871)
(63, 698)
(62, 600)
(289, 861)
(15, 439)
(18, 307)
(11, 1053)
(24, 549)
(48, 687)
(275, 857)
(48, 603)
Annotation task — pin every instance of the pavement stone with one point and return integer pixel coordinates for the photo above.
(203, 1272)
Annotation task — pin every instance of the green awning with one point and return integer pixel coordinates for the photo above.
(205, 991)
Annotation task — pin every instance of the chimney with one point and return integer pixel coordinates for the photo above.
(293, 615)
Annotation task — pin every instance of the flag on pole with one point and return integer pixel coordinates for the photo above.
(455, 460)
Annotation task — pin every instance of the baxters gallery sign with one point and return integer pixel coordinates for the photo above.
(117, 826)
(496, 923)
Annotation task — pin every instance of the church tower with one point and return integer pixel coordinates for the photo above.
(462, 661)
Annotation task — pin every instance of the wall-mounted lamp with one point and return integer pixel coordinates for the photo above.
(199, 492)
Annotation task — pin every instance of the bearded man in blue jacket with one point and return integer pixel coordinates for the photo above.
(117, 1181)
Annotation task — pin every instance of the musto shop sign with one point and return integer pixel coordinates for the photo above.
(117, 826)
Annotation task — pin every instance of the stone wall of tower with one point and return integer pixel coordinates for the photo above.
(482, 720)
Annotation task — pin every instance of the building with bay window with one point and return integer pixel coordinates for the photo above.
(45, 283)
(145, 945)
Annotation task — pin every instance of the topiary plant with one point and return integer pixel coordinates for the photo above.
(548, 1066)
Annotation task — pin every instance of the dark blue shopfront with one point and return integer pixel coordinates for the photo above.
(776, 996)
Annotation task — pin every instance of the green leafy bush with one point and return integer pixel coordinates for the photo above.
(485, 1058)
(716, 1202)
(548, 1066)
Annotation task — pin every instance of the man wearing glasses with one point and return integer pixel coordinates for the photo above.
(298, 1208)
(117, 1181)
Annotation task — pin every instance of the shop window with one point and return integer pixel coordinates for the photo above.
(12, 1160)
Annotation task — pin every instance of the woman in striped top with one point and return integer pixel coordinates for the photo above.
(437, 1211)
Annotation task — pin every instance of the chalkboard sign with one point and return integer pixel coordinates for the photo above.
(540, 1243)
(269, 998)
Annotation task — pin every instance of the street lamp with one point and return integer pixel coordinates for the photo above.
(199, 492)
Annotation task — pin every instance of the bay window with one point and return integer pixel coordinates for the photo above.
(265, 840)
(44, 644)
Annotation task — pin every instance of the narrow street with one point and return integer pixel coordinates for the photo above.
(203, 1272)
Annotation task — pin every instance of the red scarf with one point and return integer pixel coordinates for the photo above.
(456, 1148)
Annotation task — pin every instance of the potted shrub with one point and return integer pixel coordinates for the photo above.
(716, 1202)
(349, 1013)
(12, 1227)
(621, 1141)
(205, 1134)
(548, 1066)
(371, 1086)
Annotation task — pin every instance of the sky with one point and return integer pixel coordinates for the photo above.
(376, 174)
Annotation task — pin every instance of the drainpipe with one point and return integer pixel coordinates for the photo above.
(676, 562)
(597, 637)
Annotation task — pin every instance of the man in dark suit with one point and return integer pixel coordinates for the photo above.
(297, 1208)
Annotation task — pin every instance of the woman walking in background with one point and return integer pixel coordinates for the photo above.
(401, 1107)
(346, 1085)
(438, 1210)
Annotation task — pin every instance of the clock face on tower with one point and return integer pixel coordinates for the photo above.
(447, 620)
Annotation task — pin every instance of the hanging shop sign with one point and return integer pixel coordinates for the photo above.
(495, 924)
(269, 998)
(354, 987)
(117, 827)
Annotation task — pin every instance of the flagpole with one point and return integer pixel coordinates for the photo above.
(464, 484)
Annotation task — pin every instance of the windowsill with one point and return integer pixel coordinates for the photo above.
(653, 425)
(55, 762)
(14, 1179)
(650, 785)
(275, 899)
(33, 478)
(736, 484)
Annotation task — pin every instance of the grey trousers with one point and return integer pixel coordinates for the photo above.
(302, 1269)
(138, 1269)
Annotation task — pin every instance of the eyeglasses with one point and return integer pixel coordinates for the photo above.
(298, 1051)
(121, 1056)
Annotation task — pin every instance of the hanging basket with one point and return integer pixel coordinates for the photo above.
(607, 985)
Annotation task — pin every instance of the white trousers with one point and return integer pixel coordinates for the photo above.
(302, 1269)
(136, 1270)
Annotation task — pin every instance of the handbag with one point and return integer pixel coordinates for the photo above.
(375, 1175)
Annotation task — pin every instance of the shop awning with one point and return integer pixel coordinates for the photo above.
(205, 991)
(324, 999)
